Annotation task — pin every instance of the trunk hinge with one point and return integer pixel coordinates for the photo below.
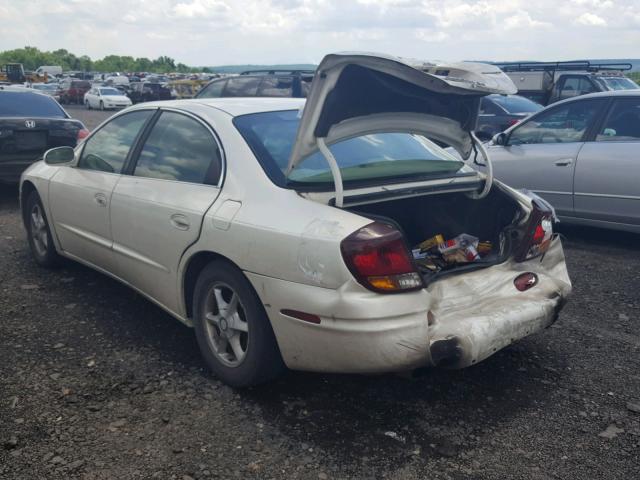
(489, 172)
(335, 170)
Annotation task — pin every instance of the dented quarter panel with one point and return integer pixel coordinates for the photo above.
(478, 313)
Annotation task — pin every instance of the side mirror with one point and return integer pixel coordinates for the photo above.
(500, 139)
(59, 155)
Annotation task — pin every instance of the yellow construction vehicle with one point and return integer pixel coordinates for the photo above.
(14, 73)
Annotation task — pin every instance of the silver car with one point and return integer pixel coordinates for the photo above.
(582, 155)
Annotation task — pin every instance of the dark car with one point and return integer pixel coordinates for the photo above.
(499, 112)
(260, 83)
(140, 92)
(30, 124)
(72, 90)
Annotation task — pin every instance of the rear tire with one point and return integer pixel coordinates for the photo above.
(87, 104)
(39, 234)
(101, 105)
(233, 331)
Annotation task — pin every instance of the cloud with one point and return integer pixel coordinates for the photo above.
(591, 20)
(523, 20)
(210, 32)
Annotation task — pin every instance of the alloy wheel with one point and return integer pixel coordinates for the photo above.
(226, 325)
(39, 231)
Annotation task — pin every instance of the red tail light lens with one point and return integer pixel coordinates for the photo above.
(512, 122)
(538, 233)
(378, 258)
(82, 134)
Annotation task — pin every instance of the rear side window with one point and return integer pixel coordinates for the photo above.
(623, 123)
(180, 148)
(276, 87)
(28, 104)
(107, 149)
(213, 90)
(562, 124)
(241, 87)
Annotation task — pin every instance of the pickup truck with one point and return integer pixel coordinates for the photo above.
(550, 82)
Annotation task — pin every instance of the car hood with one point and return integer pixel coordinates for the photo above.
(355, 94)
(116, 98)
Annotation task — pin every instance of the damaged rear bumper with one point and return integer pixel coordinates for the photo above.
(456, 322)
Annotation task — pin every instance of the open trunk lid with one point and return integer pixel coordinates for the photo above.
(359, 94)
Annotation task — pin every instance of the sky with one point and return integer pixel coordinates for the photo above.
(218, 32)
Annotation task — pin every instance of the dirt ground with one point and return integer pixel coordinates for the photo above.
(98, 383)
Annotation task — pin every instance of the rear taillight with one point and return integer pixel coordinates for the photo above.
(82, 134)
(537, 234)
(378, 258)
(512, 122)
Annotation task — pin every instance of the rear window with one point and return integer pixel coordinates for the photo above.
(16, 104)
(364, 159)
(80, 84)
(516, 104)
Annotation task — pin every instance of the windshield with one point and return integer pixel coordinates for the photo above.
(516, 104)
(402, 156)
(110, 91)
(29, 104)
(619, 83)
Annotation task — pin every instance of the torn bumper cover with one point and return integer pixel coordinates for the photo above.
(472, 316)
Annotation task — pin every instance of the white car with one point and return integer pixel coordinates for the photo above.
(282, 232)
(106, 98)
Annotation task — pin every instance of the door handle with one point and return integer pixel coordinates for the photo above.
(179, 221)
(100, 199)
(565, 162)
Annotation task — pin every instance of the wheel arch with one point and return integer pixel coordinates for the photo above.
(194, 266)
(26, 189)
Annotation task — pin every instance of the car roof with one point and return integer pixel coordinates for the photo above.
(236, 106)
(613, 93)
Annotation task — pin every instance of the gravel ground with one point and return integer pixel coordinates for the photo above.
(98, 383)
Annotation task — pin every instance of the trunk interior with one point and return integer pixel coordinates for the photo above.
(491, 220)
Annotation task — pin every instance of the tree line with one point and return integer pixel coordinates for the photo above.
(32, 58)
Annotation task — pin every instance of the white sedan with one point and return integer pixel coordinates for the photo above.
(106, 98)
(282, 232)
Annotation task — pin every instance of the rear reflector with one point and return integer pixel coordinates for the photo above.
(306, 317)
(525, 281)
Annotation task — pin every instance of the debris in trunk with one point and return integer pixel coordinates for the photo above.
(436, 253)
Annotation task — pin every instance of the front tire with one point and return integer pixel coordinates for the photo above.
(39, 233)
(233, 331)
(101, 105)
(87, 104)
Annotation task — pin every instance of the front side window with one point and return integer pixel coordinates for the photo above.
(574, 86)
(623, 123)
(107, 149)
(401, 156)
(562, 124)
(180, 148)
(241, 87)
